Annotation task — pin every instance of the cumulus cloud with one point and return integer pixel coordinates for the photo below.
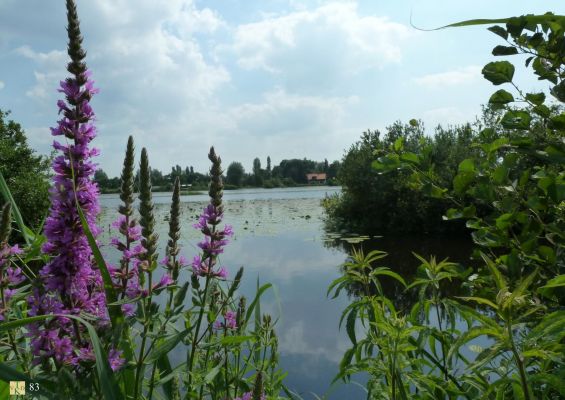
(332, 36)
(460, 76)
(168, 74)
(50, 69)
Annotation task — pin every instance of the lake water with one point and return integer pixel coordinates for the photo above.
(280, 238)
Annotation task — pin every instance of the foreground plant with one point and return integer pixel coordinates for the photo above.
(70, 283)
(511, 195)
(96, 330)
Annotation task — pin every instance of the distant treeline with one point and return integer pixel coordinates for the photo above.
(288, 173)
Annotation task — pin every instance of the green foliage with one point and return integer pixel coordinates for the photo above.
(510, 190)
(235, 174)
(25, 172)
(376, 202)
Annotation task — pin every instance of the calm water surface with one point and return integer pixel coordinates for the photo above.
(279, 238)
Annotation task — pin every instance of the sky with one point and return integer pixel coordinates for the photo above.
(279, 78)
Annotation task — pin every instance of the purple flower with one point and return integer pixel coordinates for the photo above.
(165, 281)
(115, 359)
(229, 321)
(71, 281)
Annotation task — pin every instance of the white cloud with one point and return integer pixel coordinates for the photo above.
(51, 69)
(460, 76)
(333, 35)
(54, 58)
(2, 85)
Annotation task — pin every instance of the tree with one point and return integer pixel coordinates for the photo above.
(26, 173)
(101, 178)
(235, 174)
(268, 166)
(257, 172)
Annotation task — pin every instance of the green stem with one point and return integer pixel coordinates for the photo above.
(226, 367)
(439, 321)
(195, 336)
(146, 307)
(519, 361)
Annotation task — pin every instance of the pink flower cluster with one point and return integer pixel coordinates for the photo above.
(213, 243)
(10, 276)
(126, 277)
(71, 282)
(229, 321)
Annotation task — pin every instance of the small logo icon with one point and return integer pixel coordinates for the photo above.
(17, 388)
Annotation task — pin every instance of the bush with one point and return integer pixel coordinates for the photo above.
(25, 173)
(377, 203)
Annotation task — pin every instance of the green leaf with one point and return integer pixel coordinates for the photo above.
(480, 300)
(410, 157)
(504, 51)
(516, 120)
(504, 221)
(257, 323)
(558, 91)
(165, 369)
(499, 30)
(212, 374)
(556, 382)
(8, 198)
(500, 98)
(558, 281)
(429, 189)
(387, 272)
(557, 122)
(462, 181)
(350, 325)
(109, 388)
(500, 174)
(165, 346)
(498, 278)
(399, 144)
(536, 98)
(467, 165)
(499, 72)
(386, 163)
(115, 312)
(255, 303)
(542, 71)
(180, 295)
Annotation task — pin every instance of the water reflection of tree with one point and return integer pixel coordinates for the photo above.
(401, 260)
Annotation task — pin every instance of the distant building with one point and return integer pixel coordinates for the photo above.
(316, 178)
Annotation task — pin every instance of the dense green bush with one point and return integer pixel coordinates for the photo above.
(377, 203)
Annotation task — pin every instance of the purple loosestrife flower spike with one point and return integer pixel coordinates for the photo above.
(127, 178)
(174, 232)
(147, 222)
(71, 283)
(127, 277)
(214, 239)
(216, 185)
